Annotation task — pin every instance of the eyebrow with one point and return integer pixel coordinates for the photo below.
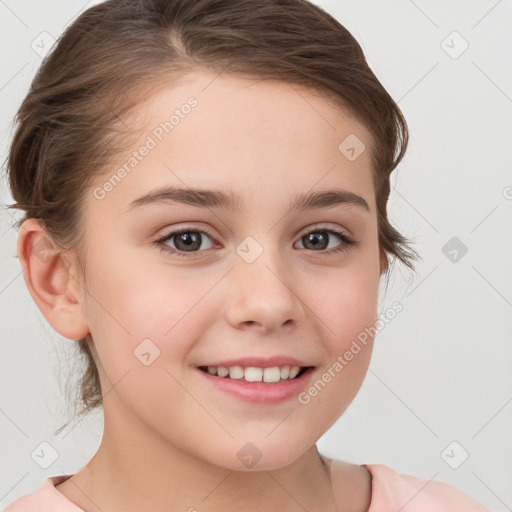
(206, 198)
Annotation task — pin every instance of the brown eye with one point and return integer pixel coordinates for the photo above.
(322, 239)
(316, 240)
(186, 241)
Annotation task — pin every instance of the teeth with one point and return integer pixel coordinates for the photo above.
(271, 374)
(222, 371)
(236, 372)
(254, 374)
(294, 370)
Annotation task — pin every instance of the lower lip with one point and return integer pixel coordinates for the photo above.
(262, 392)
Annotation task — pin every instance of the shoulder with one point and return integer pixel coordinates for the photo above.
(392, 491)
(45, 497)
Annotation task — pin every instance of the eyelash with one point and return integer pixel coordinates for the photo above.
(345, 246)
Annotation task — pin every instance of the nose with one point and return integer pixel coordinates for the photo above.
(263, 295)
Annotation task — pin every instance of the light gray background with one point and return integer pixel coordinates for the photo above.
(441, 370)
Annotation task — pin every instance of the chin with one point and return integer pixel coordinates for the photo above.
(263, 455)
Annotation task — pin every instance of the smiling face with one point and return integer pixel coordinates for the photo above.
(261, 273)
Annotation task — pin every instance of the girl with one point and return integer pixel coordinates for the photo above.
(205, 187)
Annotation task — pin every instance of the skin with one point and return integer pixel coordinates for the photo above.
(170, 440)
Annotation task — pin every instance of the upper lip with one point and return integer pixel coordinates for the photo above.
(260, 362)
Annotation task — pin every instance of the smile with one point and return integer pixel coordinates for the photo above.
(257, 384)
(256, 374)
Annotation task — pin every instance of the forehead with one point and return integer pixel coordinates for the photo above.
(259, 138)
(242, 101)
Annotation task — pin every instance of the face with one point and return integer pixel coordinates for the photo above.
(250, 276)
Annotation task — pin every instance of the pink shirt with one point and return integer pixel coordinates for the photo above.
(391, 492)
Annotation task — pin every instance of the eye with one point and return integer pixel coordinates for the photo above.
(321, 239)
(185, 241)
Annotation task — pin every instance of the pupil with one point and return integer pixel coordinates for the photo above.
(317, 240)
(190, 239)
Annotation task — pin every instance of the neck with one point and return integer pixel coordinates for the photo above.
(132, 476)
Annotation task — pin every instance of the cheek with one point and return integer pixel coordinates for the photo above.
(138, 300)
(350, 316)
(345, 301)
(137, 323)
(144, 313)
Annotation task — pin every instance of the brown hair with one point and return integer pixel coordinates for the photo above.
(70, 125)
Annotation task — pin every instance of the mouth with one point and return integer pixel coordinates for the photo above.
(268, 375)
(259, 380)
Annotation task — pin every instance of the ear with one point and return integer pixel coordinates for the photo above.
(51, 282)
(384, 261)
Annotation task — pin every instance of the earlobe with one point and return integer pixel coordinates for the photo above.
(51, 282)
